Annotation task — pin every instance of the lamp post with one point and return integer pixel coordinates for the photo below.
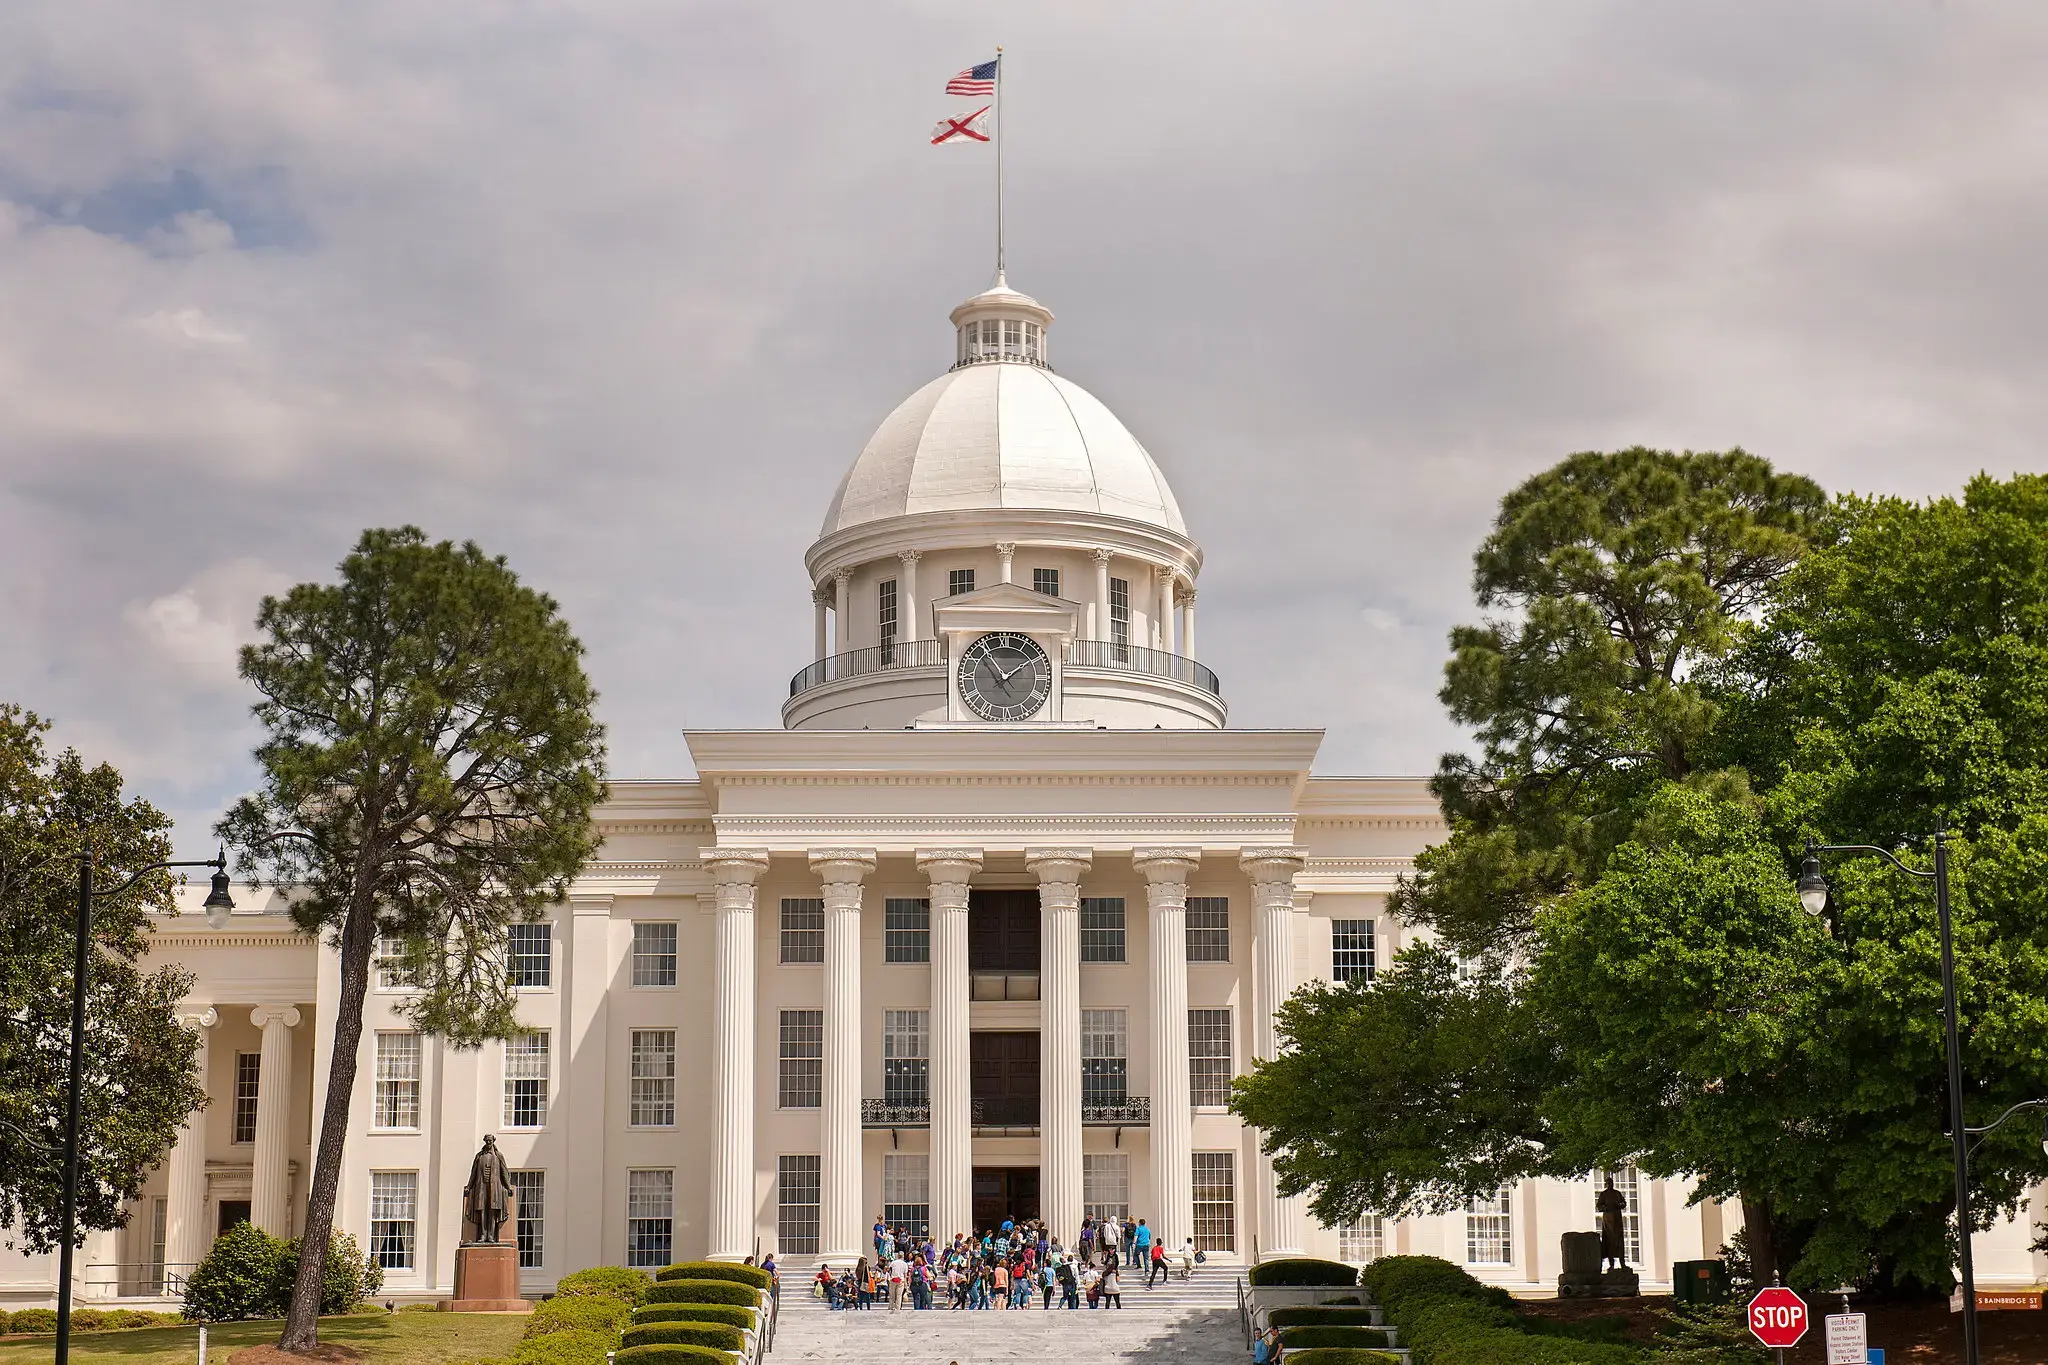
(1813, 895)
(218, 906)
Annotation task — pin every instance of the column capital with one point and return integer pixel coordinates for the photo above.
(263, 1016)
(1273, 865)
(1166, 866)
(591, 902)
(1102, 554)
(734, 866)
(1006, 549)
(842, 576)
(1186, 593)
(821, 595)
(843, 864)
(939, 863)
(910, 556)
(199, 1020)
(1048, 863)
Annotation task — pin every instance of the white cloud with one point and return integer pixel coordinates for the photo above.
(200, 627)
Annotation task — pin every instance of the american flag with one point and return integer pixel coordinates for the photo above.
(975, 80)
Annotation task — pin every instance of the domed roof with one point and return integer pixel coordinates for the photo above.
(1003, 435)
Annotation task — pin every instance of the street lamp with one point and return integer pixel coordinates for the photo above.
(1813, 895)
(218, 906)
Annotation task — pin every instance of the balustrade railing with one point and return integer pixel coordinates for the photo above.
(875, 659)
(1134, 1111)
(856, 663)
(893, 1114)
(1000, 1111)
(1137, 659)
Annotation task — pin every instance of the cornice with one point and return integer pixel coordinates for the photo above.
(725, 755)
(1008, 832)
(982, 528)
(607, 826)
(1006, 780)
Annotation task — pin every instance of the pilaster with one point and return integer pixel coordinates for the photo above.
(587, 1112)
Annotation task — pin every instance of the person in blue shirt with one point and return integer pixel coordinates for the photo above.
(1143, 1244)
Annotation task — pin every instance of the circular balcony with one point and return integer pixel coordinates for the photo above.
(1157, 663)
(857, 663)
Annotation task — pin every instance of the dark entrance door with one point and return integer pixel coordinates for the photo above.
(1003, 1079)
(1002, 931)
(233, 1211)
(1004, 1192)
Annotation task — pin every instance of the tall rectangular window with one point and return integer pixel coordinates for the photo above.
(531, 955)
(531, 1187)
(797, 1183)
(1362, 1240)
(1105, 1049)
(1046, 581)
(390, 962)
(1209, 1069)
(398, 1081)
(959, 581)
(394, 1215)
(653, 1102)
(248, 1074)
(526, 1080)
(1629, 1186)
(654, 953)
(1106, 1184)
(885, 616)
(1102, 928)
(906, 929)
(802, 1077)
(907, 1191)
(1350, 950)
(803, 929)
(650, 1217)
(159, 1238)
(1215, 1201)
(1490, 1228)
(1120, 610)
(1208, 927)
(906, 1063)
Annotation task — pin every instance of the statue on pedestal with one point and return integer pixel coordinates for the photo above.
(487, 1198)
(1612, 1206)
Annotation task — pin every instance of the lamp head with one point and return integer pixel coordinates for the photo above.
(1813, 888)
(220, 903)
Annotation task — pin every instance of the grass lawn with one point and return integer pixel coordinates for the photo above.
(385, 1338)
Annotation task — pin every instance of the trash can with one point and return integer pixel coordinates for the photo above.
(1700, 1281)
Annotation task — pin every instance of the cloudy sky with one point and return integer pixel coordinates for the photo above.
(619, 289)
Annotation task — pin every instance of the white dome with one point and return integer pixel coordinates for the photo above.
(1009, 436)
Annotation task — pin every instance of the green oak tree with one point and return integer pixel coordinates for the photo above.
(139, 1081)
(429, 772)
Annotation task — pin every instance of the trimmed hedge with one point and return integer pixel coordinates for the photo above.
(1392, 1278)
(1302, 1272)
(615, 1280)
(746, 1319)
(1447, 1317)
(1363, 1338)
(32, 1320)
(716, 1335)
(704, 1291)
(563, 1348)
(673, 1353)
(717, 1270)
(1340, 1355)
(578, 1313)
(1316, 1315)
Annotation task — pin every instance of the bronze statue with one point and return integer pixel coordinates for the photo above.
(1612, 1205)
(487, 1198)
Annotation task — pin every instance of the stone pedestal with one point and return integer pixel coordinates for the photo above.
(1583, 1277)
(486, 1281)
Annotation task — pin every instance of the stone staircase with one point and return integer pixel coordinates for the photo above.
(1193, 1321)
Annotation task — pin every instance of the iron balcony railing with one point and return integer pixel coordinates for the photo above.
(875, 659)
(894, 1114)
(1135, 659)
(1132, 1111)
(1005, 1111)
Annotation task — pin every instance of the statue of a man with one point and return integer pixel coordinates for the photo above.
(487, 1198)
(1612, 1206)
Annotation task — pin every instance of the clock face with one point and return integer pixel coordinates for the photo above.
(1004, 676)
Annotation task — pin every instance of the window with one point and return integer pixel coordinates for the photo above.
(1209, 1069)
(1489, 1228)
(1120, 610)
(1034, 341)
(907, 1191)
(650, 1217)
(1102, 928)
(248, 1071)
(1350, 950)
(803, 1059)
(1361, 1240)
(906, 1064)
(654, 953)
(398, 1081)
(654, 1078)
(796, 1205)
(532, 953)
(1106, 1184)
(803, 929)
(959, 581)
(159, 1225)
(1013, 337)
(390, 962)
(1104, 1049)
(394, 1211)
(906, 929)
(1046, 581)
(531, 1189)
(1208, 921)
(885, 616)
(526, 1080)
(1215, 1201)
(1630, 1188)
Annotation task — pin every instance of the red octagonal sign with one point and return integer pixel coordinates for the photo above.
(1777, 1317)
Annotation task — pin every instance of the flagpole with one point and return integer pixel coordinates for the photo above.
(999, 166)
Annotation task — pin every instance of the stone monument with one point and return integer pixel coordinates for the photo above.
(486, 1266)
(1596, 1263)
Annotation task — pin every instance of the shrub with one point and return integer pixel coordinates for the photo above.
(618, 1281)
(1459, 1330)
(1340, 1355)
(717, 1270)
(703, 1291)
(562, 1348)
(32, 1320)
(1302, 1271)
(743, 1318)
(4, 1329)
(351, 1277)
(673, 1353)
(1398, 1277)
(135, 1317)
(1317, 1315)
(239, 1277)
(713, 1334)
(1364, 1338)
(87, 1319)
(578, 1313)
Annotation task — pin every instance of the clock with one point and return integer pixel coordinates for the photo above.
(1005, 676)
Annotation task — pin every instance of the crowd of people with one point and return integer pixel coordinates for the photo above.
(1006, 1267)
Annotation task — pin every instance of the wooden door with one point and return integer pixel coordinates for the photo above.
(1003, 1078)
(1002, 931)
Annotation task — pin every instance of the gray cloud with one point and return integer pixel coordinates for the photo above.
(619, 290)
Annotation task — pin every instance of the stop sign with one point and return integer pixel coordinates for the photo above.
(1777, 1317)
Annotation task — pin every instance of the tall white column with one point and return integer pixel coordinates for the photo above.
(1166, 893)
(1162, 612)
(841, 871)
(842, 612)
(186, 1236)
(734, 871)
(821, 640)
(1006, 555)
(1187, 621)
(599, 1225)
(906, 593)
(1102, 630)
(270, 1188)
(1059, 1031)
(952, 1173)
(1272, 872)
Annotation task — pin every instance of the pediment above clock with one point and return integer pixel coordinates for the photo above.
(1006, 606)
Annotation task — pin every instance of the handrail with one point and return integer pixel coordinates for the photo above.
(765, 1341)
(1244, 1316)
(1137, 659)
(151, 1280)
(855, 663)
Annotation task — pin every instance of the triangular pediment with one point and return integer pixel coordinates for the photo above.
(1006, 606)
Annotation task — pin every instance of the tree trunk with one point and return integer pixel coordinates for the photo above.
(358, 936)
(1761, 1236)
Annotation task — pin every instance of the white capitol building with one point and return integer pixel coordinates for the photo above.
(984, 929)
